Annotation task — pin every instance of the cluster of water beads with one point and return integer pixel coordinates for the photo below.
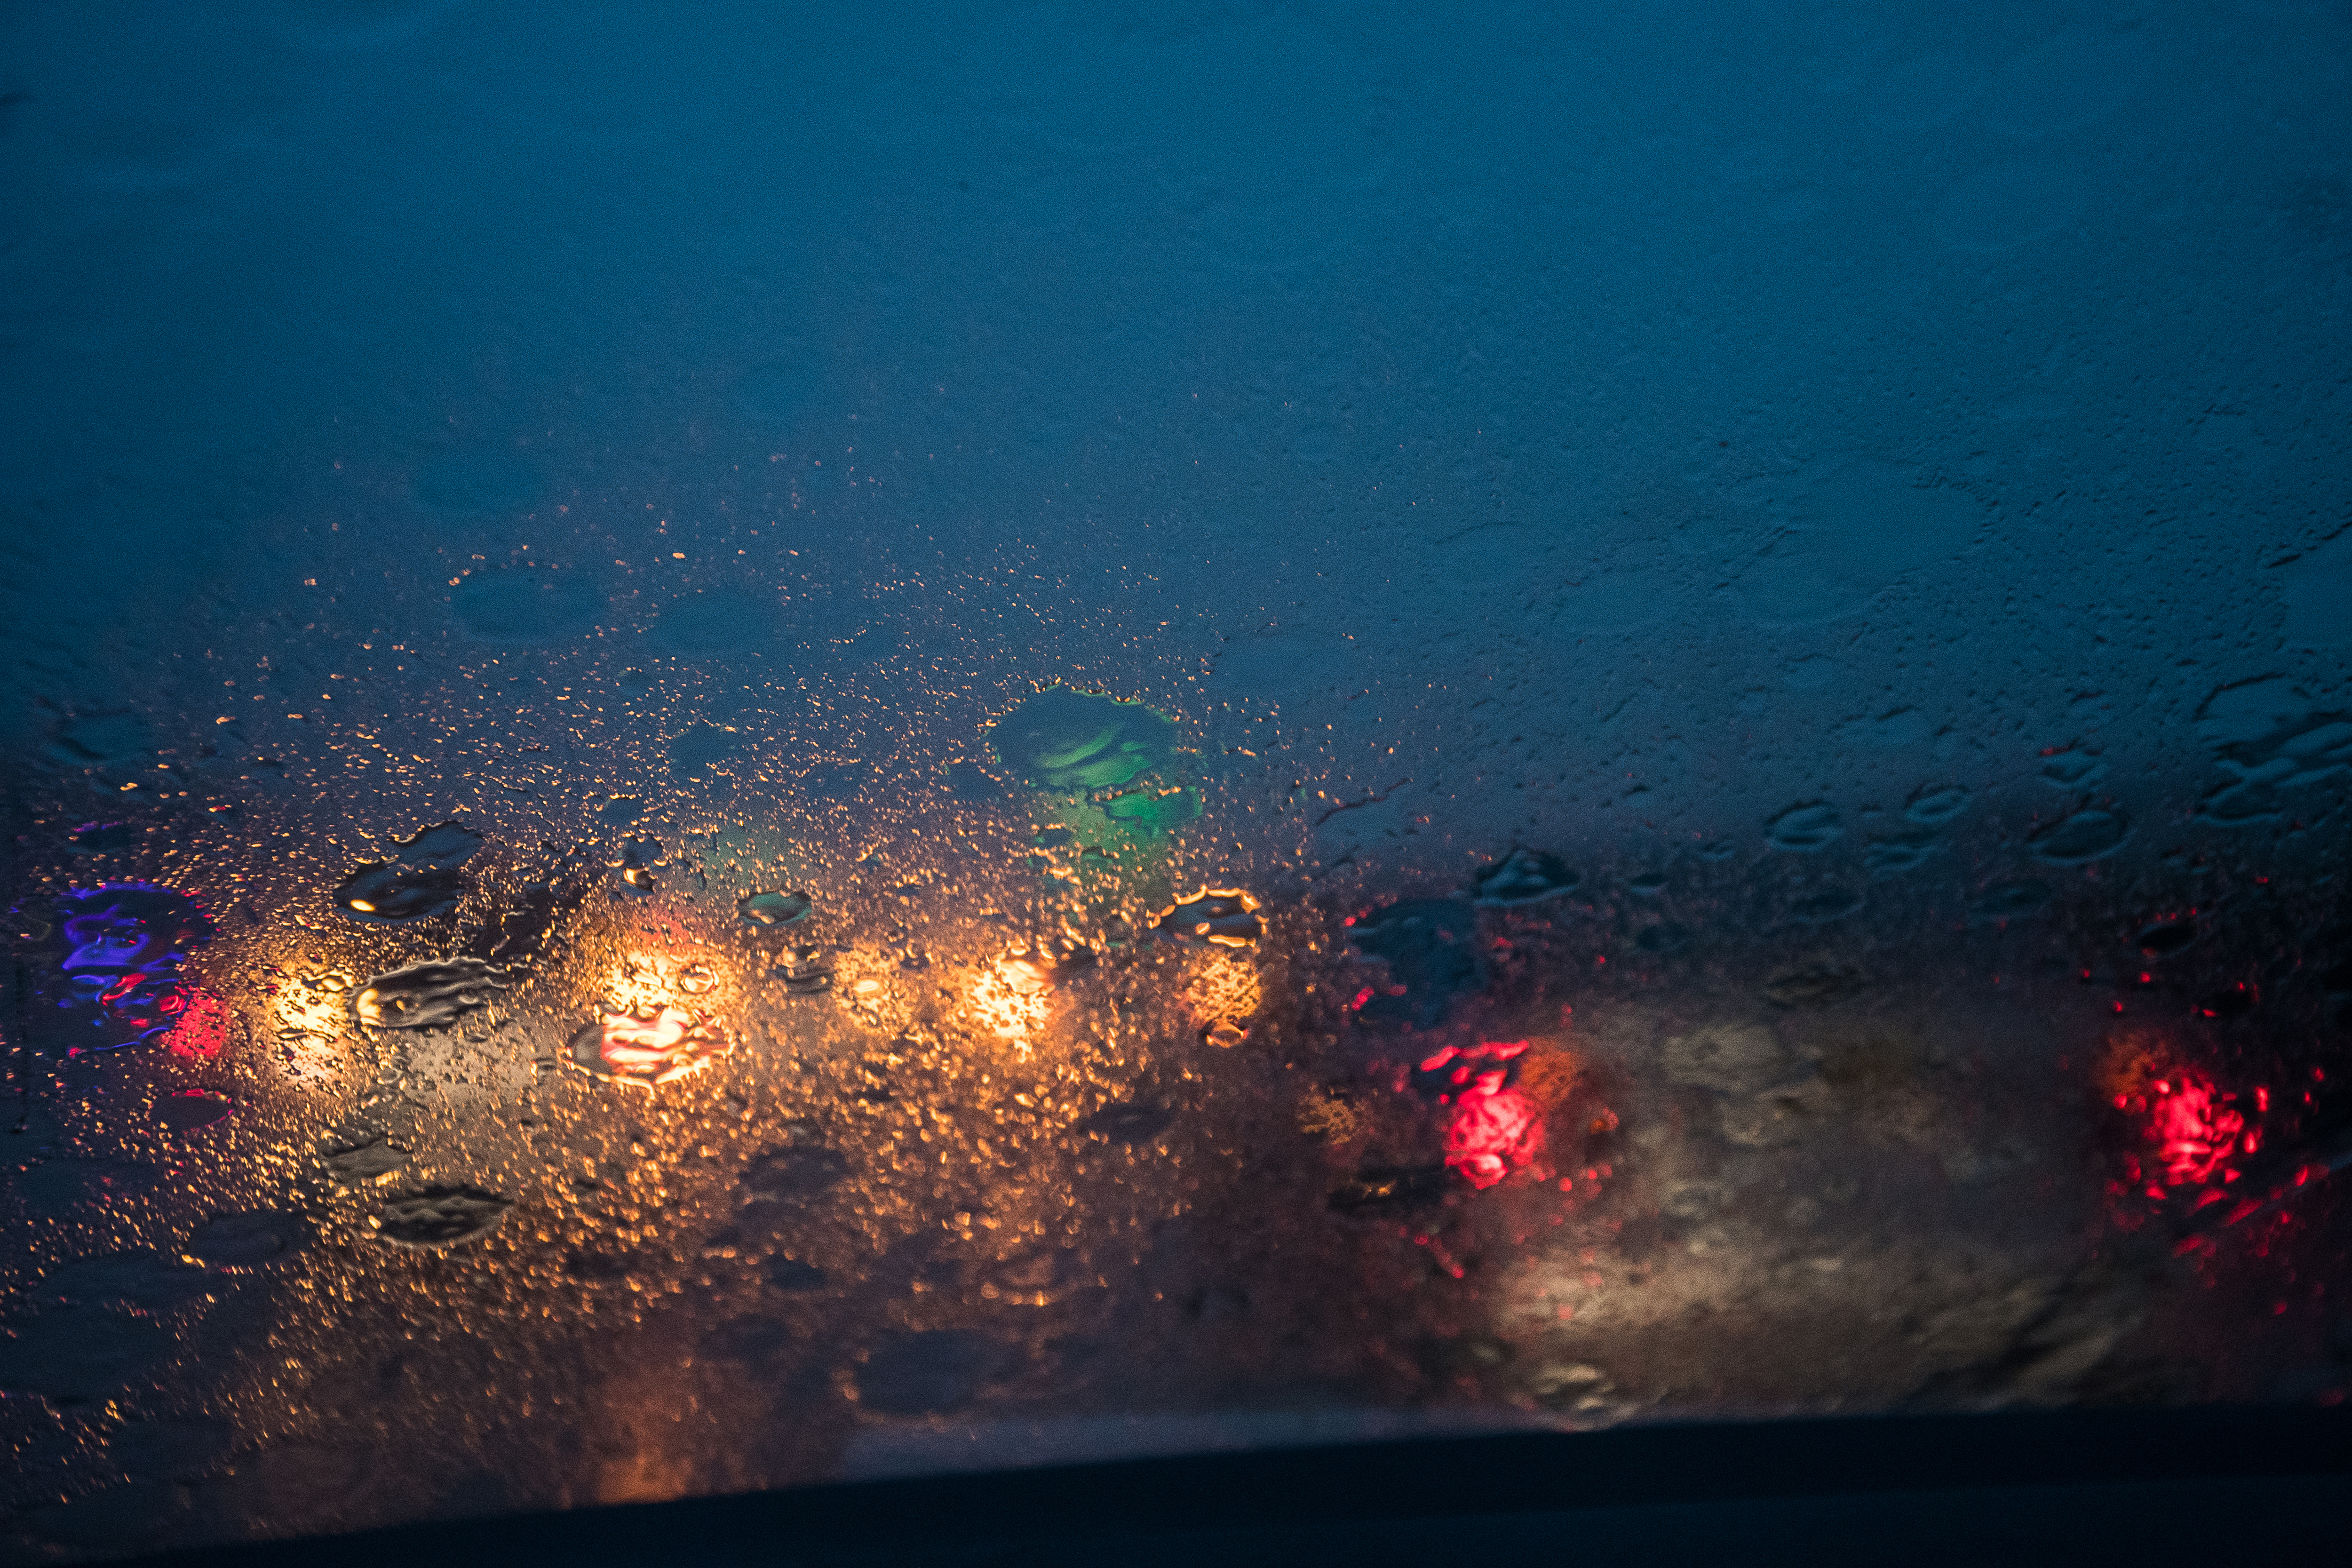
(646, 1045)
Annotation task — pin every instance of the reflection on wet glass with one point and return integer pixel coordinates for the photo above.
(1053, 1108)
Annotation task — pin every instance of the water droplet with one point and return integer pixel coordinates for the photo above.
(192, 1109)
(803, 973)
(2271, 738)
(791, 1274)
(1063, 738)
(1154, 808)
(1852, 531)
(2007, 901)
(106, 837)
(1805, 829)
(700, 747)
(81, 1355)
(1387, 1188)
(513, 936)
(1902, 850)
(380, 892)
(1224, 1034)
(363, 1163)
(931, 1371)
(790, 1175)
(146, 1281)
(2072, 769)
(2241, 803)
(245, 1240)
(1733, 1058)
(969, 781)
(775, 908)
(836, 781)
(1937, 803)
(1427, 944)
(1224, 917)
(708, 623)
(1824, 906)
(1666, 937)
(658, 1045)
(1818, 985)
(638, 858)
(2084, 837)
(1523, 877)
(1036, 1277)
(1127, 1122)
(427, 996)
(423, 881)
(1044, 968)
(440, 1216)
(2165, 938)
(444, 844)
(621, 810)
(1647, 886)
(524, 607)
(87, 739)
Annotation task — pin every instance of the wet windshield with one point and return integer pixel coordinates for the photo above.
(746, 747)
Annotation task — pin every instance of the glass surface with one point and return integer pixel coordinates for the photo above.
(748, 746)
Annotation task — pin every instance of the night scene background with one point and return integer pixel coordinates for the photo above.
(749, 745)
